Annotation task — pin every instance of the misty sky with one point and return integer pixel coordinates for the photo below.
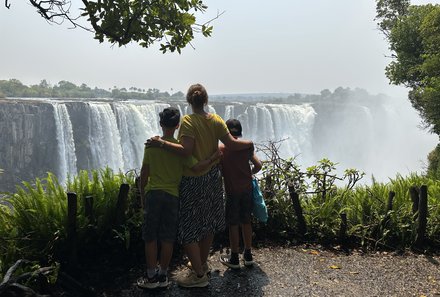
(271, 46)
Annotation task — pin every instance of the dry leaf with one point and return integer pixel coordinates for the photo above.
(313, 252)
(335, 267)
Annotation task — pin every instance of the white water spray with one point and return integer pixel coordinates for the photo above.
(66, 144)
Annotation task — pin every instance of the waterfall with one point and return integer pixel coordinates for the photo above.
(104, 137)
(380, 139)
(136, 124)
(66, 144)
(293, 124)
(290, 124)
(229, 112)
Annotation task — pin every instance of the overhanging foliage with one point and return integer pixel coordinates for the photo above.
(172, 24)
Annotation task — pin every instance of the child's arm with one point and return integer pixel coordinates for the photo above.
(256, 162)
(145, 173)
(235, 144)
(204, 164)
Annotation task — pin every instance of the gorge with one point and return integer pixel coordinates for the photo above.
(66, 135)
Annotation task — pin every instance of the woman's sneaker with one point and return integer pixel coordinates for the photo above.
(205, 267)
(247, 258)
(191, 280)
(146, 282)
(230, 261)
(163, 280)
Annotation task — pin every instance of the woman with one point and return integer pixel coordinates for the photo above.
(201, 195)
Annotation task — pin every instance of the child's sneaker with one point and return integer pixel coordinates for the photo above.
(230, 261)
(148, 283)
(247, 258)
(163, 280)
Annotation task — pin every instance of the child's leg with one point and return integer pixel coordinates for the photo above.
(246, 229)
(233, 221)
(234, 238)
(151, 257)
(166, 252)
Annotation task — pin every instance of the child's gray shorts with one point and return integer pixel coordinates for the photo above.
(160, 216)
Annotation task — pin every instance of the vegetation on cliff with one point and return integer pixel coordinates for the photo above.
(65, 89)
(312, 205)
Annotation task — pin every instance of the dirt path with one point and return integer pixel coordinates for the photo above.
(306, 272)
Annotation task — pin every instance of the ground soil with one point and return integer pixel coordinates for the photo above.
(300, 271)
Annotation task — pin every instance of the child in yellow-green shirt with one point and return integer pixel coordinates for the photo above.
(161, 174)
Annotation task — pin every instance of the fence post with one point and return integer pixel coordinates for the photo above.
(121, 204)
(137, 192)
(422, 217)
(414, 194)
(72, 209)
(343, 228)
(88, 209)
(302, 227)
(391, 196)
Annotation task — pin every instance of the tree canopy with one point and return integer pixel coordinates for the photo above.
(66, 89)
(171, 24)
(413, 33)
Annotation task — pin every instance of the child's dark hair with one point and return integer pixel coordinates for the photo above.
(197, 96)
(169, 117)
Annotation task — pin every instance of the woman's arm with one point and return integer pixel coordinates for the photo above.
(235, 144)
(184, 149)
(205, 164)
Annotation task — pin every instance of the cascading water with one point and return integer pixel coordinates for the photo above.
(66, 144)
(229, 112)
(380, 138)
(104, 137)
(136, 123)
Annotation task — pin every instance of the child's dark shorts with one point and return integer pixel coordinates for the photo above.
(238, 208)
(160, 216)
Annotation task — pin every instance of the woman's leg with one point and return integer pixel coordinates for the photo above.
(192, 250)
(205, 247)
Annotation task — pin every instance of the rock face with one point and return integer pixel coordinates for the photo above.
(28, 145)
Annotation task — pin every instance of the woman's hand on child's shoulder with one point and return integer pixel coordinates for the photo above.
(154, 141)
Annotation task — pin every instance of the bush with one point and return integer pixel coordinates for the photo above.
(33, 221)
(434, 163)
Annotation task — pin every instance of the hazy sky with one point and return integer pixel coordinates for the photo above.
(271, 46)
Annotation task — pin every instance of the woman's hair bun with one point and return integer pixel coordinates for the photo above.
(197, 95)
